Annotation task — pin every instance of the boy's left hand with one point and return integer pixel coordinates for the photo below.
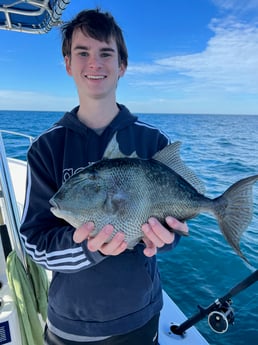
(156, 235)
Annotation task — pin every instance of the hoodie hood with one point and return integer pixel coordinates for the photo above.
(70, 120)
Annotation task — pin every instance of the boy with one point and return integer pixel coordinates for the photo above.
(101, 293)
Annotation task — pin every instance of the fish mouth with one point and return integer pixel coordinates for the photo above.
(54, 205)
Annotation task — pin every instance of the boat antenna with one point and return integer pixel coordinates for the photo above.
(220, 313)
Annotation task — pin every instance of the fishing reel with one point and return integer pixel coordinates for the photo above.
(222, 317)
(220, 313)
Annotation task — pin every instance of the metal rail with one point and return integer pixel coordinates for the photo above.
(17, 134)
(10, 207)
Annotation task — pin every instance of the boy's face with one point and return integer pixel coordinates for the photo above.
(94, 65)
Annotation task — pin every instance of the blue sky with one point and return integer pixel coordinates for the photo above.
(185, 56)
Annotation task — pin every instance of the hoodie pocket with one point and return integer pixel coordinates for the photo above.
(116, 287)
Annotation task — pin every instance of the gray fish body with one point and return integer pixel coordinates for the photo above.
(126, 191)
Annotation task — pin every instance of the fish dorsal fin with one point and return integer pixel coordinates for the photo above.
(113, 151)
(170, 156)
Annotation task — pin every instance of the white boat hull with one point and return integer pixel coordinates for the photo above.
(172, 315)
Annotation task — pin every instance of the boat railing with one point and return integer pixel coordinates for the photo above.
(29, 137)
(9, 204)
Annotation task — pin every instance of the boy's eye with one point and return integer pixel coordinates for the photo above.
(105, 54)
(83, 54)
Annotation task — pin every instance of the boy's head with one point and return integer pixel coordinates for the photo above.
(98, 25)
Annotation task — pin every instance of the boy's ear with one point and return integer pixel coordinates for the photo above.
(122, 69)
(67, 61)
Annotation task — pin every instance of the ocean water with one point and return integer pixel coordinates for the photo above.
(221, 149)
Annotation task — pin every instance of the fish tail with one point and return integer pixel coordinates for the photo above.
(234, 210)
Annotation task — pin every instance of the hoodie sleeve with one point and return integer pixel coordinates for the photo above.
(47, 239)
(171, 246)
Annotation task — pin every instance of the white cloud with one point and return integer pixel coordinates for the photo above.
(229, 62)
(237, 7)
(30, 100)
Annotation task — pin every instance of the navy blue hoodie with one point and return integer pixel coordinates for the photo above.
(90, 294)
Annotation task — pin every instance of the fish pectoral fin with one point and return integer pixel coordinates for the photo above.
(115, 202)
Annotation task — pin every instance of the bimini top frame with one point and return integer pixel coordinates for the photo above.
(31, 16)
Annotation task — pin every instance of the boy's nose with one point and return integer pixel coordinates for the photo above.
(95, 62)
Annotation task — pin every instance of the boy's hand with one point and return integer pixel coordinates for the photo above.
(98, 243)
(156, 235)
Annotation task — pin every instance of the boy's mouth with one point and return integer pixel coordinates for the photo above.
(95, 77)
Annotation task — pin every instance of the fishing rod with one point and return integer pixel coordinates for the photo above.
(220, 313)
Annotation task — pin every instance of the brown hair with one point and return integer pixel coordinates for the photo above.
(98, 25)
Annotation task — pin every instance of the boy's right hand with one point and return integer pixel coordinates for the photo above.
(115, 246)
